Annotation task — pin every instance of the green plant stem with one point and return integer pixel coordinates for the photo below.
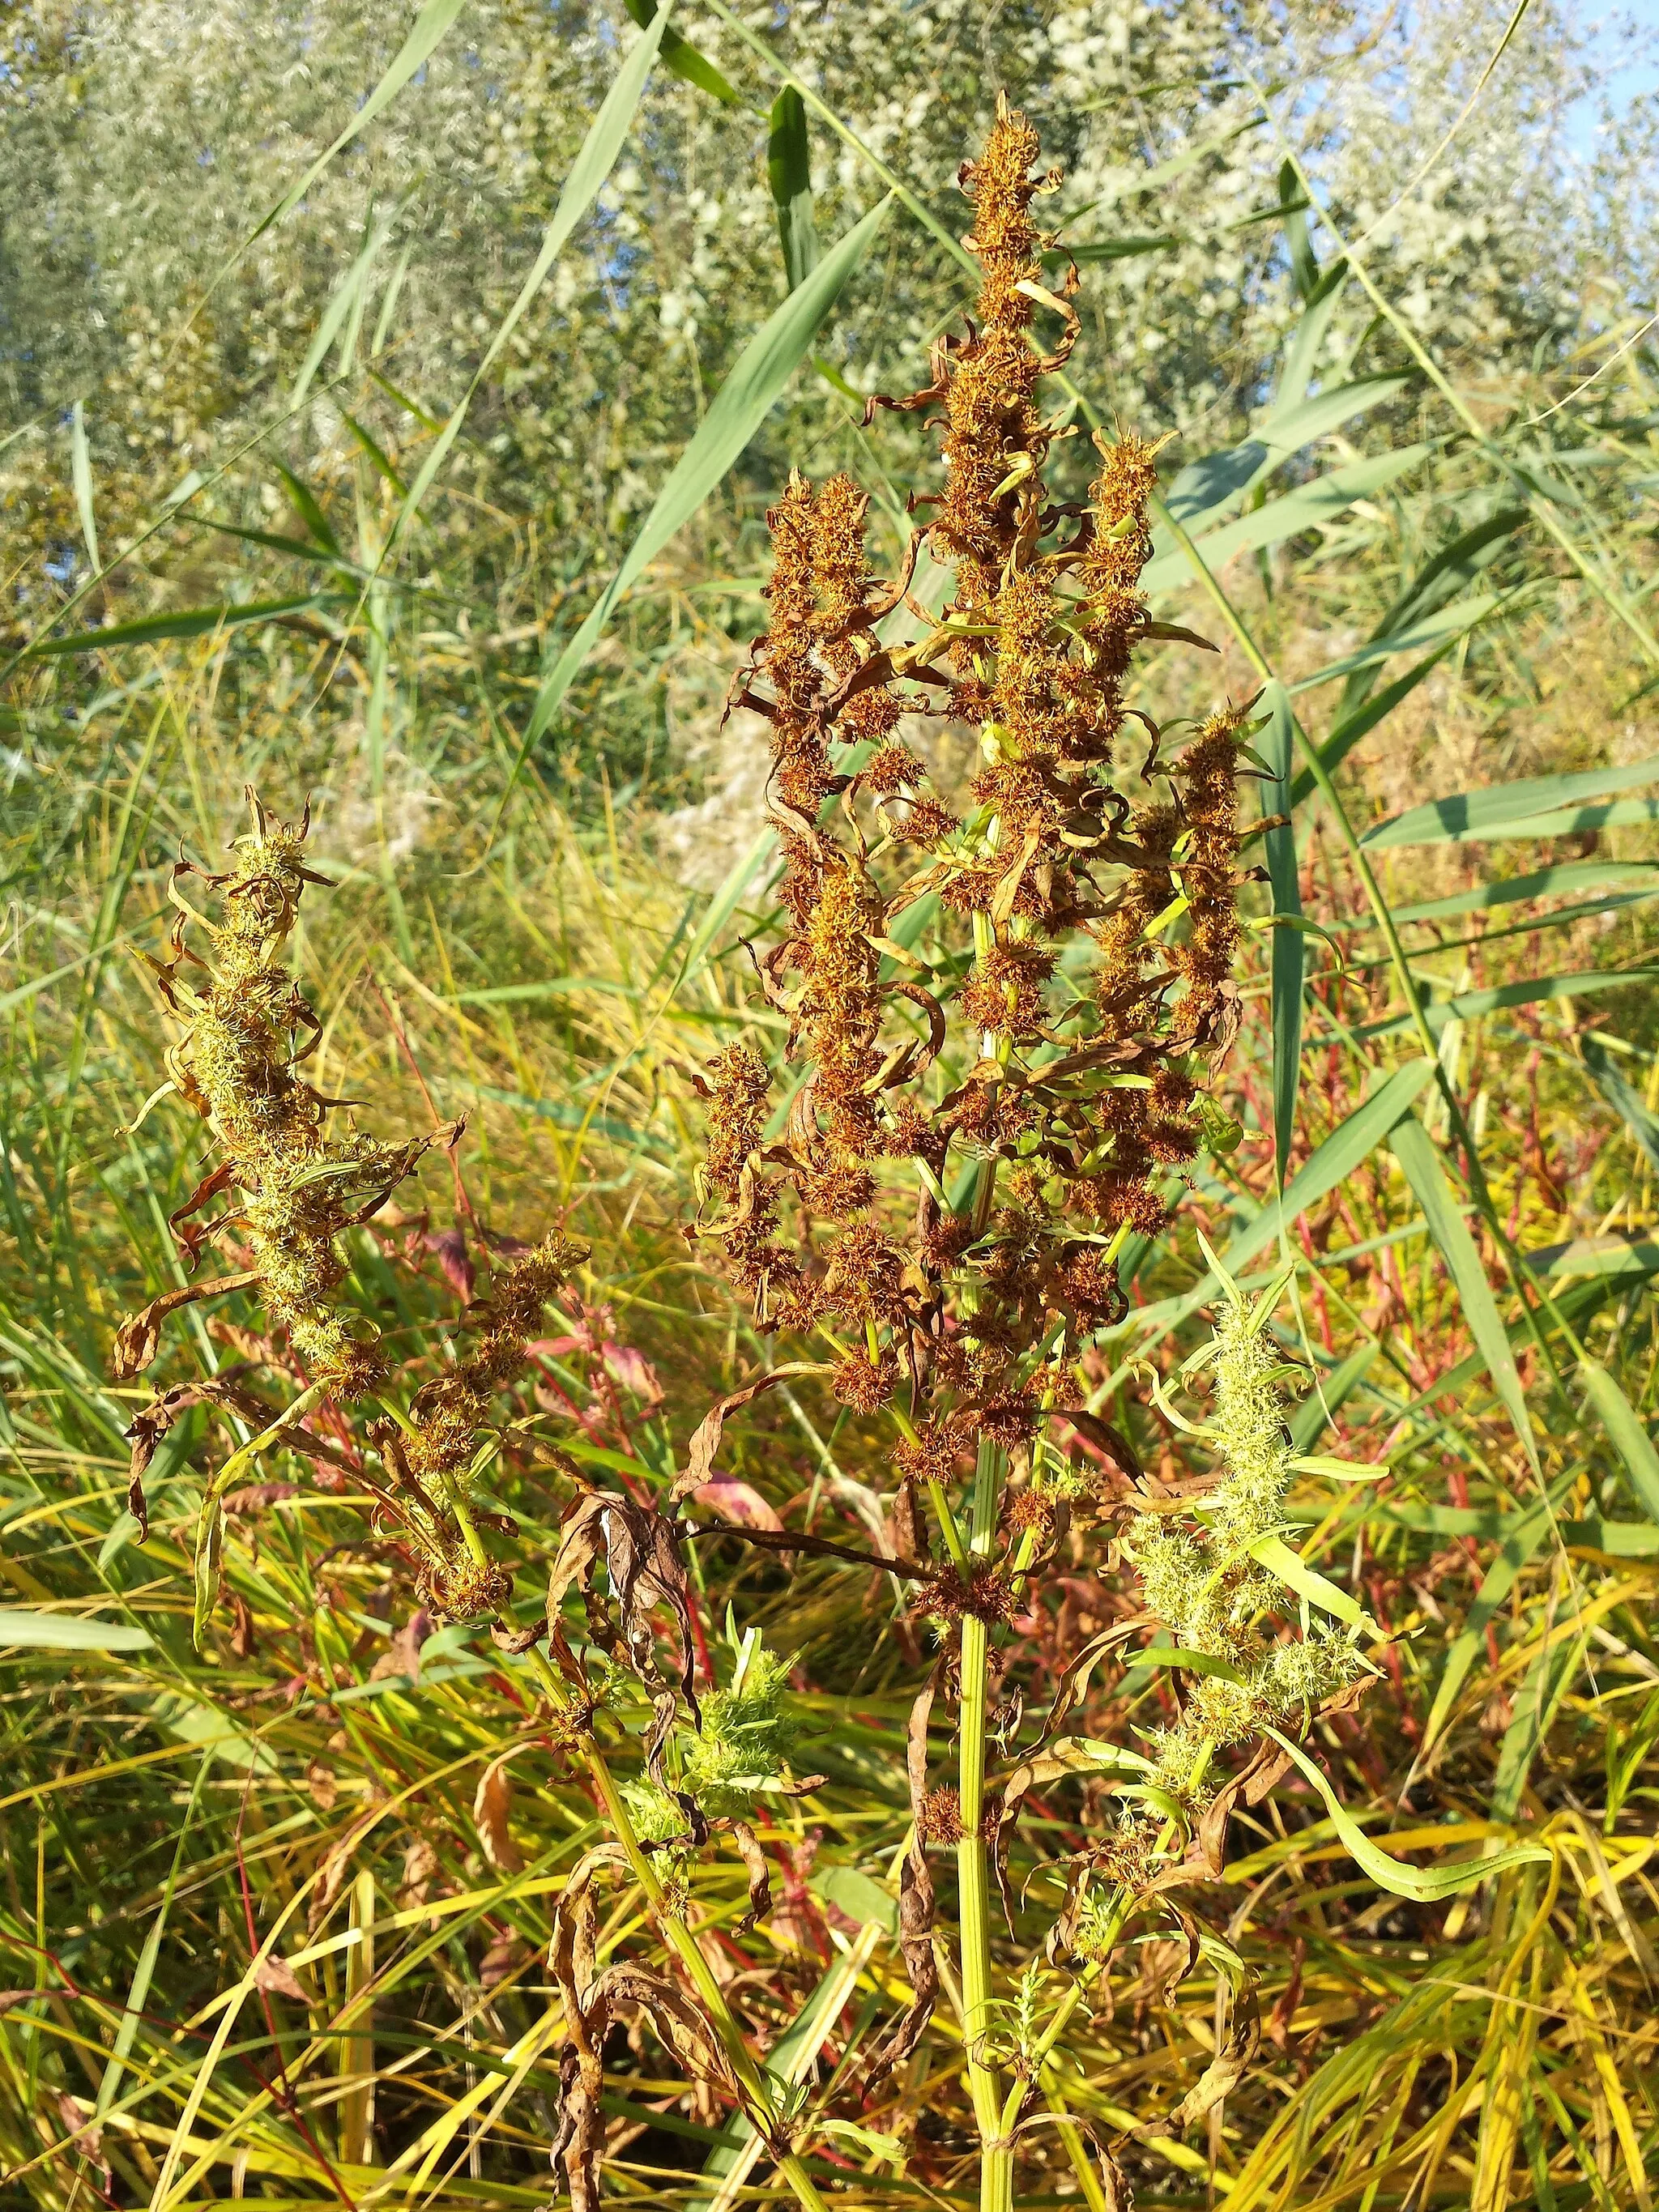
(1042, 2069)
(973, 1864)
(1071, 2140)
(947, 1522)
(762, 2109)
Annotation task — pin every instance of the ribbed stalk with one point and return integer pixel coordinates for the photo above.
(996, 2186)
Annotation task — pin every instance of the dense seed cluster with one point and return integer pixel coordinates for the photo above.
(292, 1186)
(1214, 1594)
(431, 1455)
(1073, 957)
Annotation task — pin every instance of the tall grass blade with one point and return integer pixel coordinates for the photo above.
(1628, 1433)
(1440, 578)
(1627, 1102)
(738, 409)
(427, 32)
(1347, 732)
(1414, 1149)
(1583, 984)
(684, 60)
(1310, 506)
(593, 165)
(788, 170)
(21, 1630)
(1505, 808)
(1289, 952)
(188, 622)
(80, 476)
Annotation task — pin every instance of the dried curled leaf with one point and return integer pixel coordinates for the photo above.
(706, 1437)
(591, 2002)
(640, 1551)
(917, 1905)
(139, 1338)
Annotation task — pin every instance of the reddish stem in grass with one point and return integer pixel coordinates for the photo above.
(278, 2091)
(389, 1005)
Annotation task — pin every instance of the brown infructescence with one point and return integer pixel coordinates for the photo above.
(292, 1189)
(1100, 928)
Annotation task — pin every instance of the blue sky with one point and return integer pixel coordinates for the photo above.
(1623, 81)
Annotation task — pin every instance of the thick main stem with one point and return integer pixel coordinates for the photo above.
(973, 1867)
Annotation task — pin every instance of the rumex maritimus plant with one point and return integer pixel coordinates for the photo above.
(1038, 1085)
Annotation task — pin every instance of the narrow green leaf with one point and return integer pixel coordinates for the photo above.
(738, 409)
(425, 35)
(1441, 578)
(1325, 1400)
(1414, 1149)
(1621, 1256)
(1521, 1535)
(1424, 1885)
(684, 60)
(1586, 821)
(1204, 487)
(791, 2058)
(209, 1551)
(551, 986)
(1307, 341)
(1308, 507)
(595, 159)
(138, 1989)
(1627, 1432)
(565, 1115)
(1346, 734)
(788, 169)
(294, 549)
(1195, 1662)
(1348, 1144)
(1292, 212)
(306, 506)
(188, 622)
(1627, 1102)
(1504, 809)
(1620, 1539)
(1163, 172)
(727, 900)
(1126, 249)
(1536, 1704)
(1469, 1004)
(24, 1630)
(1443, 628)
(1292, 1569)
(1541, 883)
(1289, 952)
(80, 476)
(379, 459)
(347, 294)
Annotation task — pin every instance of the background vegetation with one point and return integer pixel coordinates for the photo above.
(1423, 497)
